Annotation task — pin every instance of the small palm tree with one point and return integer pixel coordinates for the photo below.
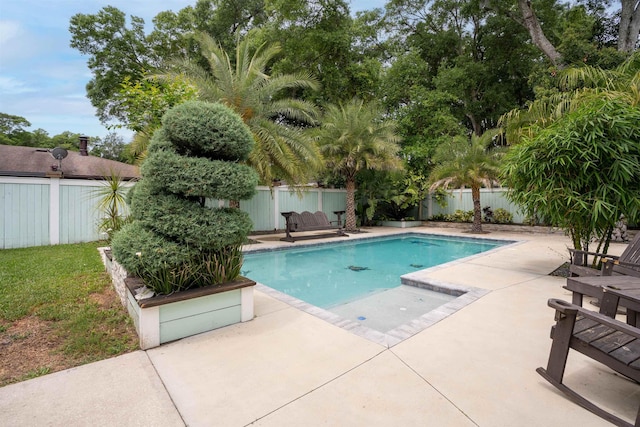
(354, 137)
(463, 163)
(282, 150)
(112, 204)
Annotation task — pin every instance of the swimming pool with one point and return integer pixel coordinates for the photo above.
(330, 275)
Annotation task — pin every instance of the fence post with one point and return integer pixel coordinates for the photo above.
(276, 207)
(54, 211)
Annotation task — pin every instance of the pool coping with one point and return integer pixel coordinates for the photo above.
(465, 295)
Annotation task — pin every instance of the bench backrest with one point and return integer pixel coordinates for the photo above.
(308, 220)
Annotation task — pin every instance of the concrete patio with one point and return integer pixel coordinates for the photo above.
(287, 367)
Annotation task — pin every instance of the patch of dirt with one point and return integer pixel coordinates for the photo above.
(31, 347)
(28, 347)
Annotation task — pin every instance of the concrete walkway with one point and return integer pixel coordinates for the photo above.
(290, 368)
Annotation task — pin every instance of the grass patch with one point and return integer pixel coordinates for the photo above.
(65, 288)
(43, 370)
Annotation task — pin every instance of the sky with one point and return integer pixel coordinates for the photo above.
(43, 79)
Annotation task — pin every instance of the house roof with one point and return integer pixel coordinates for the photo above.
(39, 162)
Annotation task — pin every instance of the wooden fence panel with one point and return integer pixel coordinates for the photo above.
(24, 214)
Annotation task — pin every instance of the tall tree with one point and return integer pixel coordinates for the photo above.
(282, 150)
(462, 163)
(629, 25)
(531, 23)
(480, 60)
(322, 37)
(354, 136)
(12, 129)
(115, 52)
(110, 147)
(576, 85)
(143, 104)
(118, 48)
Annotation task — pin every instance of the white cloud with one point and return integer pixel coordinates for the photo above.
(9, 30)
(11, 86)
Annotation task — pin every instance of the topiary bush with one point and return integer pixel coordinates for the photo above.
(175, 242)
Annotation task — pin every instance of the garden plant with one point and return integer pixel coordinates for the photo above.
(175, 242)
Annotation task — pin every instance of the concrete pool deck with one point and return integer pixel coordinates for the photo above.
(287, 367)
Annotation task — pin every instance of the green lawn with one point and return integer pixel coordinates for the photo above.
(66, 288)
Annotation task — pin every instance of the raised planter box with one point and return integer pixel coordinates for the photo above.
(166, 318)
(401, 224)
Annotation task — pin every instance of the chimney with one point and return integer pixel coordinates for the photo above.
(84, 140)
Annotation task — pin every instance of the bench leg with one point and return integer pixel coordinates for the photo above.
(288, 226)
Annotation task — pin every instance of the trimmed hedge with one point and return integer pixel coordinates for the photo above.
(195, 155)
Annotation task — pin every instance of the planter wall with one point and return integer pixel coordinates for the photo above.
(401, 224)
(517, 228)
(166, 318)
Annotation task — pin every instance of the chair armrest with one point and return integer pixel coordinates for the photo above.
(567, 308)
(579, 257)
(563, 306)
(578, 251)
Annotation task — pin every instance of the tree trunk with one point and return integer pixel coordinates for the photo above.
(477, 129)
(629, 25)
(350, 222)
(531, 23)
(477, 210)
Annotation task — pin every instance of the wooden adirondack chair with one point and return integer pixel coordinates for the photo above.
(627, 263)
(601, 338)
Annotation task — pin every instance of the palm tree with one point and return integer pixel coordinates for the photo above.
(577, 86)
(354, 137)
(465, 163)
(112, 205)
(282, 149)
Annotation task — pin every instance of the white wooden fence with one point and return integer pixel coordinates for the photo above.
(50, 211)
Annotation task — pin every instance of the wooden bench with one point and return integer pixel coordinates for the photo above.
(307, 221)
(601, 338)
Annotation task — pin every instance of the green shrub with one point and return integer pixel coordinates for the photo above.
(461, 216)
(502, 216)
(175, 242)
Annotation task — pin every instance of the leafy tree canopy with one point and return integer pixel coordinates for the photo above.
(582, 171)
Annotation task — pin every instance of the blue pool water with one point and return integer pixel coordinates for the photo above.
(333, 274)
